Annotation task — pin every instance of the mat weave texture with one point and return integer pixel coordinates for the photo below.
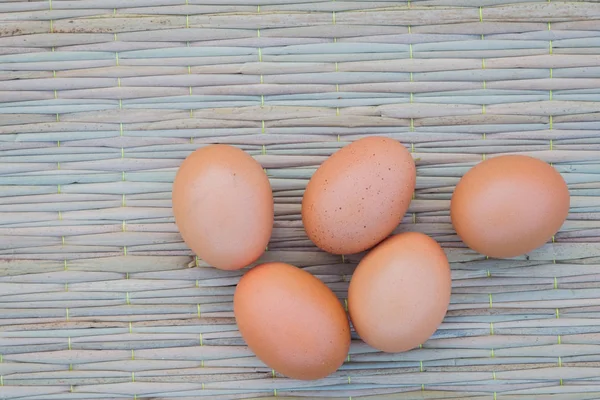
(100, 101)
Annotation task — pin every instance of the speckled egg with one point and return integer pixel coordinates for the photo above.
(359, 195)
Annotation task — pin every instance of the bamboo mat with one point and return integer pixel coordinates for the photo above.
(100, 101)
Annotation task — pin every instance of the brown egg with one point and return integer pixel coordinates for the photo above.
(400, 292)
(359, 195)
(223, 206)
(509, 205)
(292, 321)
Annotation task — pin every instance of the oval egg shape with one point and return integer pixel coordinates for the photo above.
(292, 321)
(223, 206)
(359, 195)
(507, 206)
(400, 292)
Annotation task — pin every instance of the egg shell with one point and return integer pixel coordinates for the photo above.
(359, 195)
(292, 321)
(223, 206)
(400, 292)
(509, 205)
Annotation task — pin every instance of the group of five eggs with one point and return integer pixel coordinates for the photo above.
(399, 294)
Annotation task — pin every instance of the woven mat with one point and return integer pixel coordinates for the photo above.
(99, 104)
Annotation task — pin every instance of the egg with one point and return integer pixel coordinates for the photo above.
(292, 321)
(400, 292)
(359, 195)
(509, 205)
(223, 206)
